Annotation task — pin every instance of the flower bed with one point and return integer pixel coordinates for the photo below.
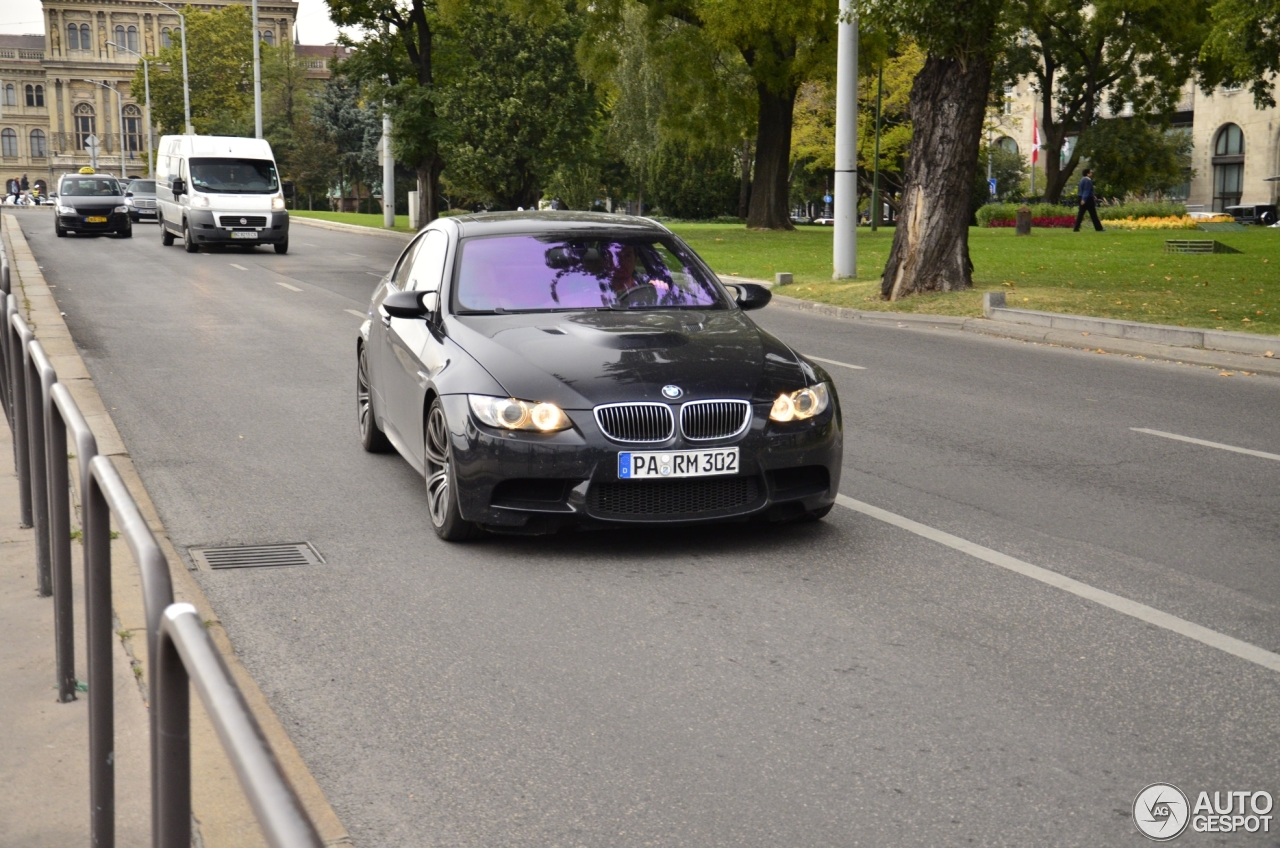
(1184, 222)
(1042, 221)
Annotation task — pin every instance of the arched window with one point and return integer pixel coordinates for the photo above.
(38, 148)
(269, 37)
(10, 95)
(85, 124)
(1228, 167)
(86, 42)
(166, 37)
(132, 128)
(132, 35)
(73, 37)
(40, 95)
(120, 40)
(1006, 143)
(31, 95)
(8, 143)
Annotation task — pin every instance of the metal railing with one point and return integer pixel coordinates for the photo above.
(42, 413)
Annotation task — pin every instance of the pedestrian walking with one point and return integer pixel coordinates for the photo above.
(1088, 201)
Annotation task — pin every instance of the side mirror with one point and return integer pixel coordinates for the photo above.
(751, 296)
(407, 304)
(179, 187)
(128, 194)
(287, 188)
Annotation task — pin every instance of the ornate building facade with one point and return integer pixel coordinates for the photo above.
(58, 89)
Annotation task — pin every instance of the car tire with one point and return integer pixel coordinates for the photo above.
(127, 232)
(372, 439)
(59, 232)
(442, 492)
(815, 515)
(282, 247)
(166, 237)
(188, 244)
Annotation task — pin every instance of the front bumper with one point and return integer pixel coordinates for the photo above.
(529, 482)
(207, 227)
(138, 213)
(79, 223)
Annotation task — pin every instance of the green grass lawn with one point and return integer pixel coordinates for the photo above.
(1115, 274)
(363, 220)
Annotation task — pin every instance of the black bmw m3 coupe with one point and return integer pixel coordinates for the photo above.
(548, 369)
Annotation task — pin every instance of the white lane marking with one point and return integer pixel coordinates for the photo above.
(833, 362)
(1142, 612)
(357, 255)
(307, 244)
(289, 287)
(360, 315)
(371, 274)
(1217, 445)
(241, 267)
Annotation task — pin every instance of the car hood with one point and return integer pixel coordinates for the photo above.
(92, 204)
(580, 360)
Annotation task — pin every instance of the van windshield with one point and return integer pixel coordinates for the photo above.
(235, 176)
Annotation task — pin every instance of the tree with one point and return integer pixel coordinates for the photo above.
(396, 60)
(220, 70)
(782, 43)
(961, 39)
(636, 96)
(1242, 48)
(514, 102)
(1132, 156)
(1008, 169)
(694, 182)
(1131, 55)
(351, 128)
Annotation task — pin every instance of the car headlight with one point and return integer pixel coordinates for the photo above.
(512, 414)
(801, 404)
(66, 210)
(121, 209)
(277, 203)
(199, 202)
(128, 201)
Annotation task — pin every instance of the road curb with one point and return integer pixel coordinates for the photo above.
(1078, 339)
(349, 228)
(223, 816)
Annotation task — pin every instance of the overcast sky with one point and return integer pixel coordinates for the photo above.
(314, 27)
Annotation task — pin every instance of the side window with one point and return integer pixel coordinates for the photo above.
(162, 169)
(428, 266)
(401, 276)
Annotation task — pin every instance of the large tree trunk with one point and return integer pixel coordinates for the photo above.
(744, 187)
(768, 209)
(931, 242)
(428, 172)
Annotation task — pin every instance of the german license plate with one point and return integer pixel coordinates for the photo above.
(97, 219)
(249, 235)
(692, 463)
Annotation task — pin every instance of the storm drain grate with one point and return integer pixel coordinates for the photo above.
(257, 556)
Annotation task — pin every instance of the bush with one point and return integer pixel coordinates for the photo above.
(1142, 210)
(1042, 221)
(1004, 214)
(694, 184)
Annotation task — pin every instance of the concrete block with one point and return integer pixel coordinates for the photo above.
(992, 300)
(1241, 342)
(782, 278)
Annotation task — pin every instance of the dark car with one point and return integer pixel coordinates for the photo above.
(140, 197)
(544, 369)
(91, 203)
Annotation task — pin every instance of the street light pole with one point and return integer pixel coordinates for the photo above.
(388, 173)
(846, 212)
(119, 122)
(186, 86)
(146, 83)
(257, 77)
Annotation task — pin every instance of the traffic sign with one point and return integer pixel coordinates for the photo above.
(991, 184)
(826, 198)
(91, 144)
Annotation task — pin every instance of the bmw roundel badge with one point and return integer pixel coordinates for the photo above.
(672, 392)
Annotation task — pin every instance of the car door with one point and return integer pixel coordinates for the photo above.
(414, 344)
(381, 359)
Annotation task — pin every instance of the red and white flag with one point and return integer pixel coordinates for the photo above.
(1035, 141)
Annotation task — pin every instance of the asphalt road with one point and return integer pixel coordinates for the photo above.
(845, 683)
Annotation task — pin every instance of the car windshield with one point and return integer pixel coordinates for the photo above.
(529, 273)
(143, 186)
(235, 176)
(90, 187)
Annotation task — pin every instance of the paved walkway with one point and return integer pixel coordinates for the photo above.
(44, 747)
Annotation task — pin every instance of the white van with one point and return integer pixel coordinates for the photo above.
(213, 189)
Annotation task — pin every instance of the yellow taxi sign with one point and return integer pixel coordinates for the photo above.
(87, 170)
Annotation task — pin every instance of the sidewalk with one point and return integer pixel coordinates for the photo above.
(44, 759)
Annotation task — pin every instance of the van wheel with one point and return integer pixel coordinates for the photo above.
(187, 243)
(61, 233)
(282, 247)
(166, 237)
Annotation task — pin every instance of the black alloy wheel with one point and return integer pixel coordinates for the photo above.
(442, 494)
(166, 237)
(372, 438)
(188, 243)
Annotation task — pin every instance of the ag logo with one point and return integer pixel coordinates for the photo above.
(672, 392)
(1161, 812)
